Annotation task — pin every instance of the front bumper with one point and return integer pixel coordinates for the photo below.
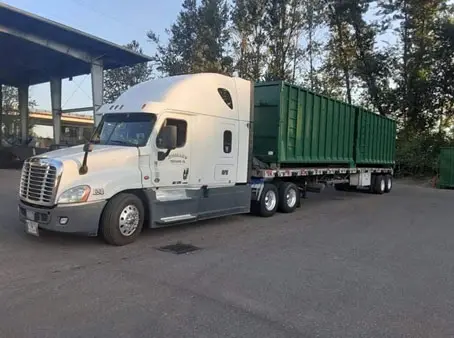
(81, 218)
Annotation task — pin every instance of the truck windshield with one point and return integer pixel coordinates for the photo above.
(125, 129)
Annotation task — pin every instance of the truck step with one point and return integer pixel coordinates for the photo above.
(178, 218)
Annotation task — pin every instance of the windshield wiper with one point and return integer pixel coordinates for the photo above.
(121, 142)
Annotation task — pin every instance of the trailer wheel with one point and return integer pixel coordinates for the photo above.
(379, 185)
(268, 201)
(122, 219)
(388, 183)
(289, 197)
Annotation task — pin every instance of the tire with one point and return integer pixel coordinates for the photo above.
(266, 207)
(289, 197)
(379, 185)
(388, 183)
(119, 208)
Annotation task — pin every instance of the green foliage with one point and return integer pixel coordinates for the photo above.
(214, 37)
(198, 41)
(10, 118)
(283, 24)
(116, 81)
(249, 38)
(313, 19)
(340, 60)
(417, 154)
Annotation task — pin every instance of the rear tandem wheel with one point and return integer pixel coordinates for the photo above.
(289, 197)
(268, 203)
(379, 185)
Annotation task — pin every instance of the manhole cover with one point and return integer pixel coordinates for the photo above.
(179, 248)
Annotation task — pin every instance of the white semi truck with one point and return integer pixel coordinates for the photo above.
(169, 151)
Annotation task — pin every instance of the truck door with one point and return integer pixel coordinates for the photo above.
(225, 169)
(173, 171)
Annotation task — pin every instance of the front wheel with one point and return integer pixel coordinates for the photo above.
(122, 219)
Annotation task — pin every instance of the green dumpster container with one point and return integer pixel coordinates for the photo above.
(293, 126)
(375, 139)
(446, 168)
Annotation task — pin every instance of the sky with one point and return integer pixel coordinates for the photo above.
(118, 21)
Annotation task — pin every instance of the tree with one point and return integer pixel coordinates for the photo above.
(417, 23)
(313, 19)
(340, 61)
(179, 55)
(198, 41)
(214, 37)
(422, 68)
(11, 118)
(283, 24)
(353, 58)
(251, 40)
(10, 122)
(370, 65)
(116, 81)
(442, 74)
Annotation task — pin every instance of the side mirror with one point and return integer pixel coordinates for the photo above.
(88, 147)
(167, 138)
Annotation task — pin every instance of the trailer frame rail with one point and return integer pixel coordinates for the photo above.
(305, 172)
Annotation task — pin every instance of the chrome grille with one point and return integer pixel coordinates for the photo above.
(39, 180)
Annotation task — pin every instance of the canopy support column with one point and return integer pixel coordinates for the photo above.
(55, 96)
(23, 112)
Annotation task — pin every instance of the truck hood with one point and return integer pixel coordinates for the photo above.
(102, 155)
(110, 168)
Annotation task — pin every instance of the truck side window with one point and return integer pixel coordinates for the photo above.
(225, 94)
(227, 144)
(182, 127)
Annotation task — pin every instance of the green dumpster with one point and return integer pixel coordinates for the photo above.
(446, 168)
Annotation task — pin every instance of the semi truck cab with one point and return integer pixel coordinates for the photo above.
(166, 151)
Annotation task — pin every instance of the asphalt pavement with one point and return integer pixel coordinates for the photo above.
(344, 265)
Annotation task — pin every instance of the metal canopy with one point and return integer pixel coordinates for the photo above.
(34, 50)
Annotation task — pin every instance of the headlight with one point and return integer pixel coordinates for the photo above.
(75, 195)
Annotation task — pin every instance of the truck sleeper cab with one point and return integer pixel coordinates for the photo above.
(167, 151)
